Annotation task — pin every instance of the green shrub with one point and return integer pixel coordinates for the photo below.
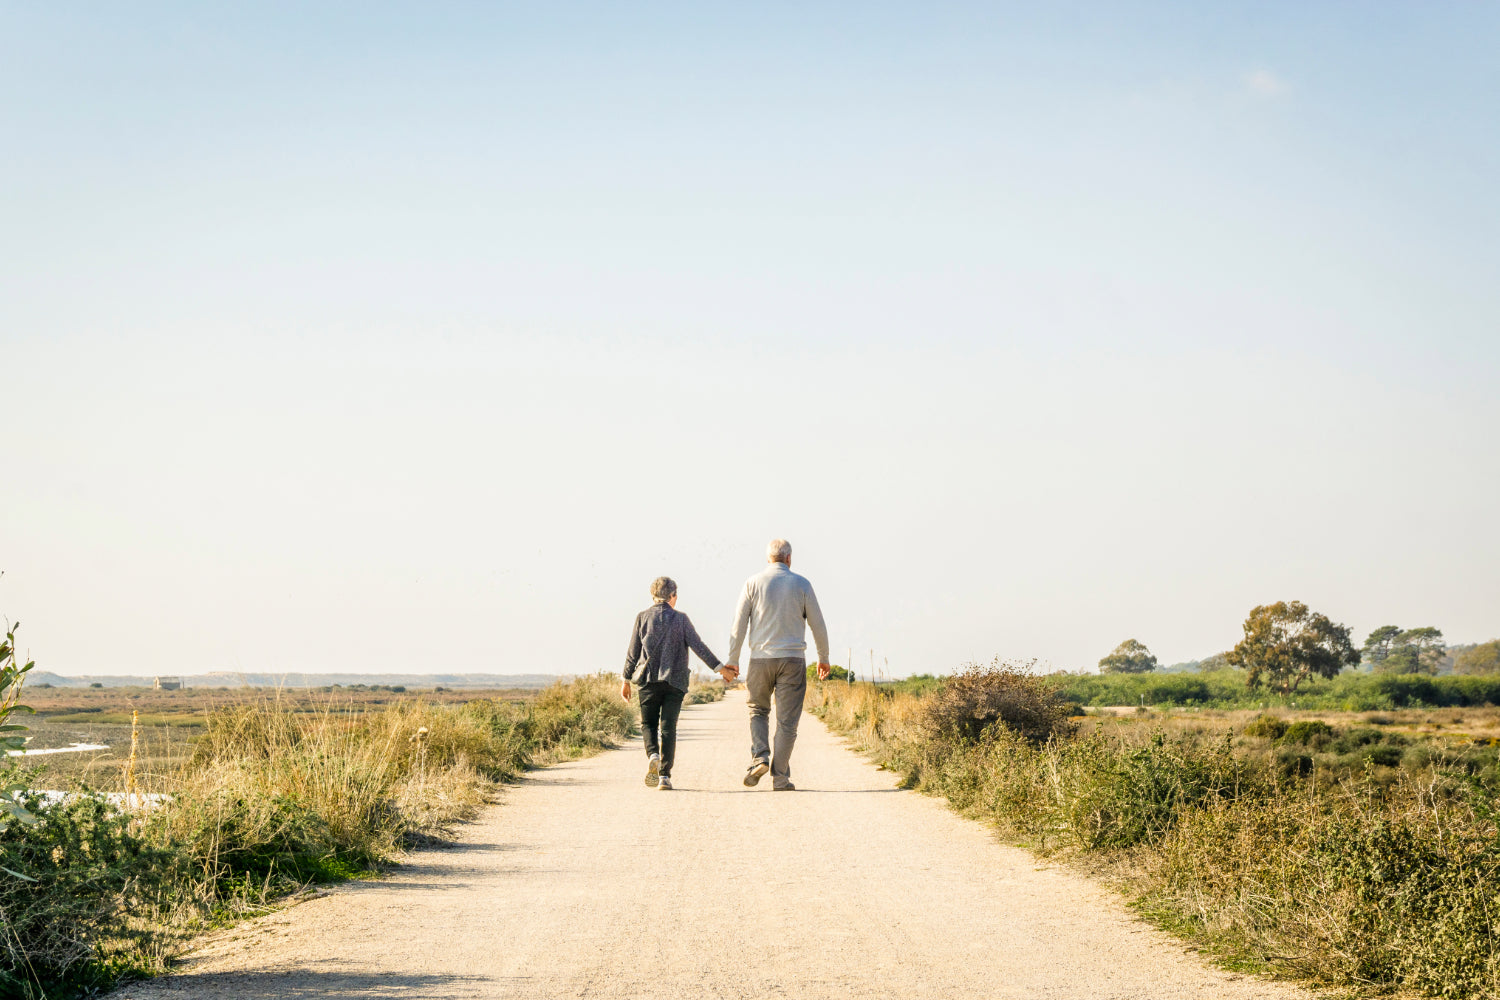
(1291, 762)
(1118, 796)
(1268, 726)
(1308, 732)
(1353, 739)
(72, 880)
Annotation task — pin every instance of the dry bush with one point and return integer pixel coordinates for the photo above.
(1004, 692)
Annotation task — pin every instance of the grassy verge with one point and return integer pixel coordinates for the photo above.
(262, 803)
(1350, 857)
(701, 692)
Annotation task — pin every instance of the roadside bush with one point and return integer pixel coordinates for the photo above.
(1116, 796)
(577, 717)
(978, 697)
(1403, 883)
(73, 881)
(704, 692)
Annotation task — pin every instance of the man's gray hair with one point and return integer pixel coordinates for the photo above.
(780, 550)
(663, 587)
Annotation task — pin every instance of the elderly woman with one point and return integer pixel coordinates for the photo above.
(658, 661)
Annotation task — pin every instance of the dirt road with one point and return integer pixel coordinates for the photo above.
(583, 883)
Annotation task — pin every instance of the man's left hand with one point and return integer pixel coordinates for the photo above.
(823, 670)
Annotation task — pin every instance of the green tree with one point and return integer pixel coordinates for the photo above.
(835, 673)
(1219, 661)
(1481, 659)
(1416, 651)
(1129, 657)
(1378, 644)
(1285, 643)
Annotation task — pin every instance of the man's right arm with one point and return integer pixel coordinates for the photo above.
(739, 627)
(814, 616)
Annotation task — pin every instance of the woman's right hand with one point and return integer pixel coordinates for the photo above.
(625, 690)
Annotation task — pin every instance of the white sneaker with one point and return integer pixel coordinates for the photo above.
(665, 785)
(653, 771)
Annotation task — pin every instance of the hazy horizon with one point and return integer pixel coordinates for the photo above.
(420, 339)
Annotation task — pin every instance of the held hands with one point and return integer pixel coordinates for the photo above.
(729, 672)
(625, 690)
(823, 670)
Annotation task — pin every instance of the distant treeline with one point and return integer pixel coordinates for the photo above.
(226, 679)
(1226, 688)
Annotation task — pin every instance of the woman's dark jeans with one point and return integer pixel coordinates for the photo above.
(661, 703)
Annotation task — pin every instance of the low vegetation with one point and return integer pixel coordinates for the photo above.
(1346, 853)
(261, 802)
(1350, 691)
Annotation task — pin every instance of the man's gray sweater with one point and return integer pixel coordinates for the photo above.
(776, 608)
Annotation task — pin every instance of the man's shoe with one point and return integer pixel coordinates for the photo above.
(753, 775)
(788, 787)
(653, 771)
(666, 784)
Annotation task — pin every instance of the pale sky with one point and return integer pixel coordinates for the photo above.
(422, 337)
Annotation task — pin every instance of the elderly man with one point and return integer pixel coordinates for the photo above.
(775, 606)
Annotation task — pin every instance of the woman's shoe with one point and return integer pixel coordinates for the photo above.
(666, 784)
(653, 771)
(756, 769)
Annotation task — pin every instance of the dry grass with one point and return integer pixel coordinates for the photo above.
(264, 799)
(170, 721)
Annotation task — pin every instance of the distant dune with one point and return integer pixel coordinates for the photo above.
(230, 679)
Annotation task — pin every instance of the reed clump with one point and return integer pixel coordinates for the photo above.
(1349, 857)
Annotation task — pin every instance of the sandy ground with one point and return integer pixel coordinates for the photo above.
(584, 883)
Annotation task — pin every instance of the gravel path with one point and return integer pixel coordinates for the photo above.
(583, 883)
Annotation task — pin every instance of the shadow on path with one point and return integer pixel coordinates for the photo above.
(304, 983)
